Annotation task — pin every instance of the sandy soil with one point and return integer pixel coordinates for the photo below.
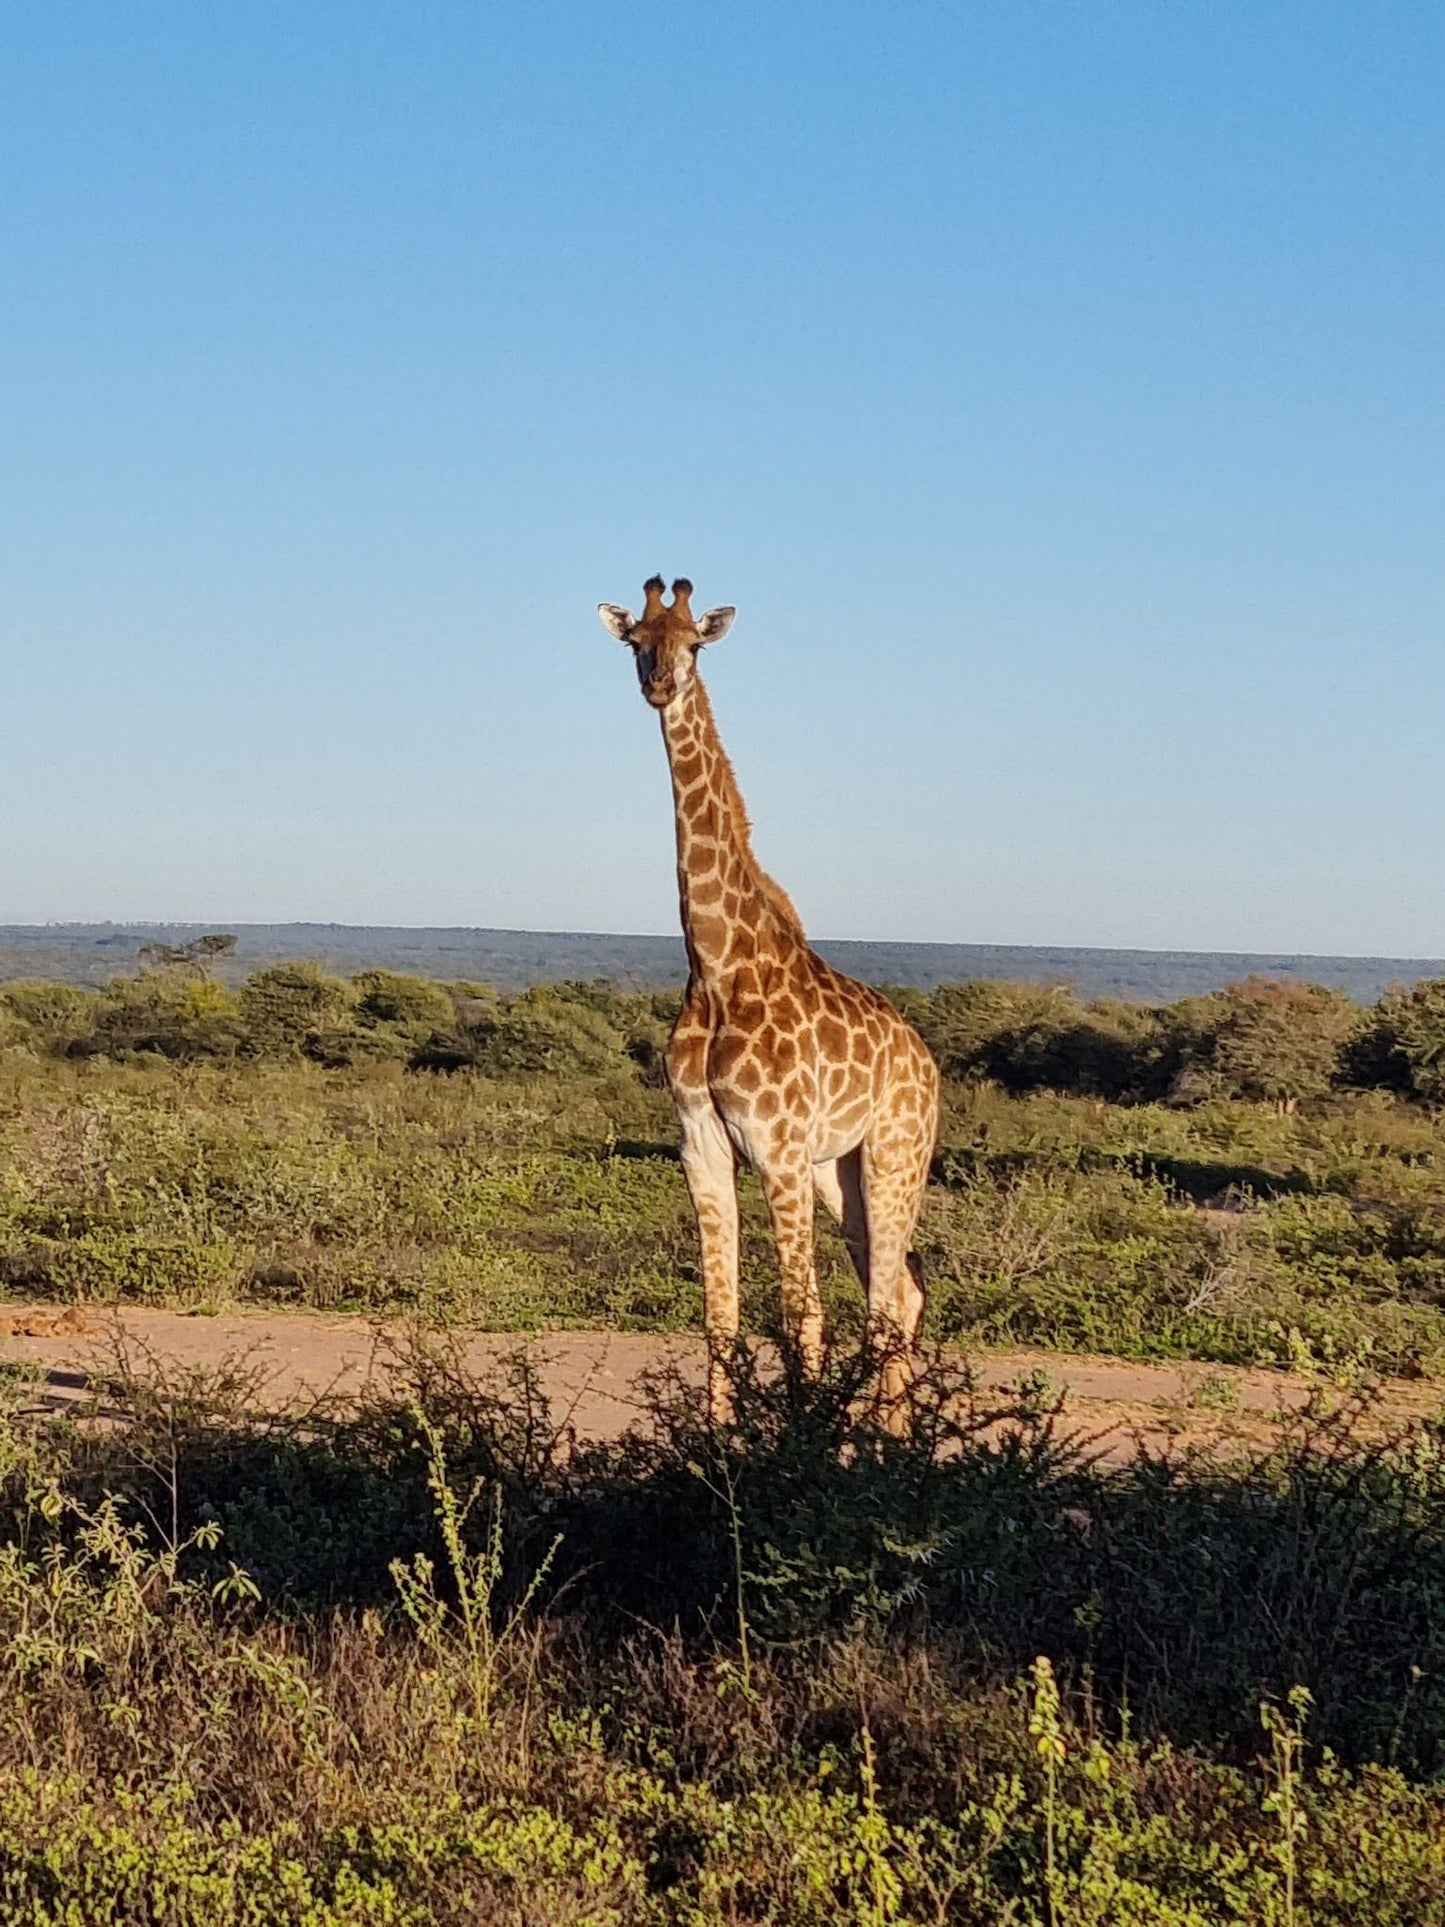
(65, 1354)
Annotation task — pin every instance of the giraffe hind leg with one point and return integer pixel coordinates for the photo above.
(839, 1184)
(895, 1170)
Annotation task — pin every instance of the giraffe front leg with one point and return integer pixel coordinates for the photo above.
(710, 1166)
(787, 1182)
(710, 1169)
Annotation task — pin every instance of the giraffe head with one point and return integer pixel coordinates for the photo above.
(665, 638)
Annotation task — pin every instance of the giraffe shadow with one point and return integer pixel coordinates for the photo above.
(639, 1149)
(1181, 1587)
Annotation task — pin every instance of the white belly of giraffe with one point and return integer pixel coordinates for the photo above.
(836, 1139)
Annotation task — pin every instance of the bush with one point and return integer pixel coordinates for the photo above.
(166, 1012)
(547, 1029)
(1402, 1046)
(293, 1009)
(104, 1265)
(1039, 1037)
(642, 1019)
(388, 997)
(396, 1015)
(1263, 1040)
(46, 1016)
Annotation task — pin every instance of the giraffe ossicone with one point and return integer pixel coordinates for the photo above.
(776, 1058)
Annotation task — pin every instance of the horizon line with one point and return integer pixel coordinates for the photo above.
(649, 936)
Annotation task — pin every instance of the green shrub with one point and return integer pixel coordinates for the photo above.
(109, 1265)
(411, 1008)
(1402, 1045)
(45, 1016)
(1029, 1037)
(294, 1009)
(544, 1030)
(1263, 1040)
(168, 1012)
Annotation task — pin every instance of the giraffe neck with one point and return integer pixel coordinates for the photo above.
(728, 902)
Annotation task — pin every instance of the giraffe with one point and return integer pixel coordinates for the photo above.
(776, 1058)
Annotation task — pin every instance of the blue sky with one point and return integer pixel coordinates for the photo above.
(1057, 391)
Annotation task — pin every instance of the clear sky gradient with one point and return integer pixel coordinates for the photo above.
(1058, 391)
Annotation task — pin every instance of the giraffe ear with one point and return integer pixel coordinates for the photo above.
(617, 620)
(715, 624)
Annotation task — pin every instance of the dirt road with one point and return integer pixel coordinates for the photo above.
(592, 1376)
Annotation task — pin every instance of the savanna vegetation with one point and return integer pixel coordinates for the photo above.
(432, 1658)
(1251, 1176)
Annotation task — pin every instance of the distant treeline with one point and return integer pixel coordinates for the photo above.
(91, 954)
(1262, 1040)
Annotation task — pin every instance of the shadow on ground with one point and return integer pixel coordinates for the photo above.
(1177, 1587)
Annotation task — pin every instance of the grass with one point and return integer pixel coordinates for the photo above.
(431, 1660)
(1227, 1232)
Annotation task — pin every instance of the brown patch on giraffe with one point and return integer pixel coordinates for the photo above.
(704, 892)
(687, 1061)
(767, 1104)
(832, 1038)
(765, 1043)
(728, 1050)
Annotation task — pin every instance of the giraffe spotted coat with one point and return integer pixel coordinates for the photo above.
(777, 1058)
